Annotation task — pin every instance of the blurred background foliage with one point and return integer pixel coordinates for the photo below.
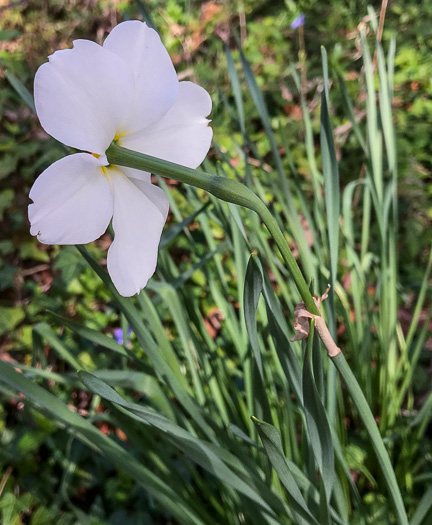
(48, 476)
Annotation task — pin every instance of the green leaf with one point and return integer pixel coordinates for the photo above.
(8, 164)
(176, 283)
(93, 335)
(85, 431)
(32, 441)
(271, 440)
(285, 194)
(7, 197)
(169, 235)
(374, 135)
(7, 276)
(166, 367)
(278, 330)
(171, 298)
(198, 450)
(252, 292)
(317, 425)
(424, 509)
(331, 177)
(48, 334)
(374, 435)
(10, 318)
(69, 263)
(144, 12)
(30, 250)
(236, 88)
(22, 91)
(350, 112)
(10, 34)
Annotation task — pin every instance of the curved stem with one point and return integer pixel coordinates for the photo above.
(372, 429)
(232, 191)
(224, 188)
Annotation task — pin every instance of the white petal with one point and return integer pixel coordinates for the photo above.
(132, 173)
(154, 193)
(82, 95)
(156, 84)
(138, 224)
(72, 201)
(182, 135)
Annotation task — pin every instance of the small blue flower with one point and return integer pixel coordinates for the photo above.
(118, 334)
(298, 22)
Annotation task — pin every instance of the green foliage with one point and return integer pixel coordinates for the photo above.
(10, 317)
(158, 429)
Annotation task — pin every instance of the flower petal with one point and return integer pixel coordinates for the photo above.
(138, 224)
(82, 95)
(154, 193)
(132, 173)
(156, 84)
(72, 201)
(182, 135)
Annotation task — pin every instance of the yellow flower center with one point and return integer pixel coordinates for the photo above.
(119, 135)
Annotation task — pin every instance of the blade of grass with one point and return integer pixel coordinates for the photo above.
(22, 91)
(252, 293)
(168, 370)
(103, 444)
(92, 335)
(316, 419)
(171, 299)
(374, 435)
(292, 214)
(424, 509)
(48, 334)
(331, 179)
(198, 450)
(373, 133)
(271, 440)
(171, 234)
(349, 110)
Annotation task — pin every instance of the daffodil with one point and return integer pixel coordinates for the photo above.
(125, 91)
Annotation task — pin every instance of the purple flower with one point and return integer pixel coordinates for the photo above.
(118, 334)
(298, 22)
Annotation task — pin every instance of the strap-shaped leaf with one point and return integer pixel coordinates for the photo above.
(271, 440)
(84, 430)
(331, 176)
(198, 450)
(317, 425)
(252, 292)
(22, 91)
(168, 371)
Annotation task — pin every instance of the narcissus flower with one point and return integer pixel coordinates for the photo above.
(126, 90)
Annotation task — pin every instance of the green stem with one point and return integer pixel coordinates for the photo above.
(372, 429)
(232, 191)
(223, 188)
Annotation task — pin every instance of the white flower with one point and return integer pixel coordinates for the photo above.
(126, 90)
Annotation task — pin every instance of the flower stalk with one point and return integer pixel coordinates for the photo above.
(223, 188)
(233, 191)
(372, 429)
